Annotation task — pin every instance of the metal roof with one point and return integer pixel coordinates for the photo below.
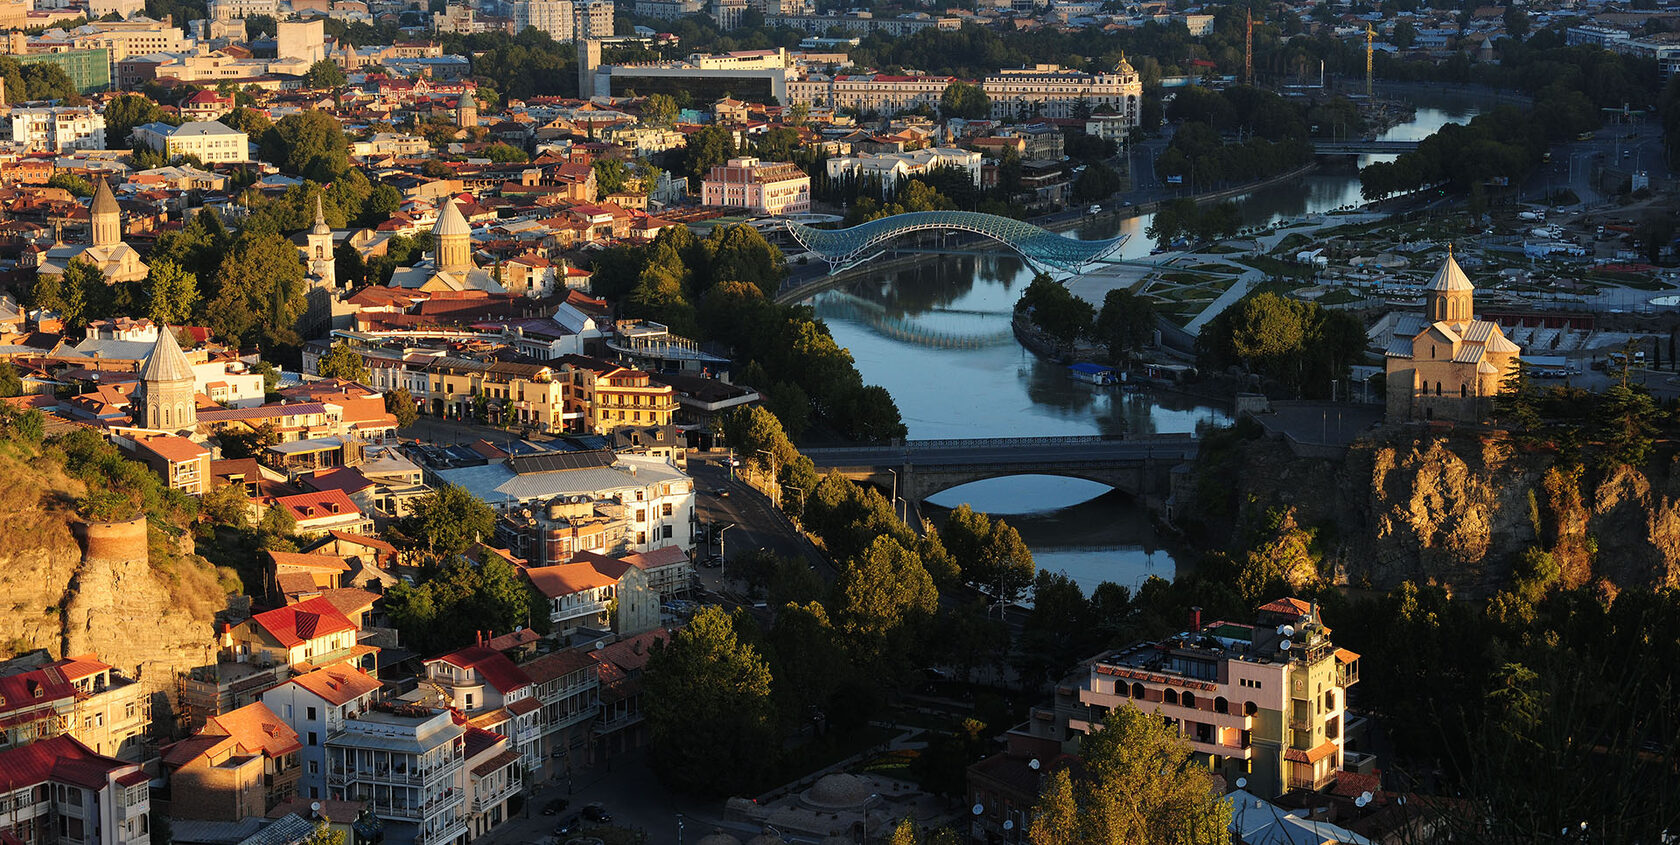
(552, 461)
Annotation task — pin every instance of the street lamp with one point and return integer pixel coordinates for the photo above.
(895, 492)
(721, 558)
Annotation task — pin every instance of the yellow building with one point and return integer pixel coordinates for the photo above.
(527, 394)
(1445, 364)
(615, 396)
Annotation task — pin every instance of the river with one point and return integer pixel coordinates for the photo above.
(936, 336)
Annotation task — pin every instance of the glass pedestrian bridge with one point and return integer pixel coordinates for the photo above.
(1043, 249)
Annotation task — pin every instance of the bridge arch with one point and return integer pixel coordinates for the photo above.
(1043, 249)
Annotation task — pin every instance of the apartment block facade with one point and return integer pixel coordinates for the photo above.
(408, 765)
(59, 792)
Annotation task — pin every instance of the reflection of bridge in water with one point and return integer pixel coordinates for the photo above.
(846, 306)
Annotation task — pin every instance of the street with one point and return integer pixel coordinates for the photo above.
(755, 524)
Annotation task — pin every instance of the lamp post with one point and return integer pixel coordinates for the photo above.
(894, 490)
(721, 558)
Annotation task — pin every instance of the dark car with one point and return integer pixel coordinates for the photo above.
(572, 824)
(597, 814)
(554, 807)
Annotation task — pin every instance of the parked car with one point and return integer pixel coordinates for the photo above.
(570, 825)
(597, 814)
(554, 807)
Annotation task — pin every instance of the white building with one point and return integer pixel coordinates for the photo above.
(236, 9)
(555, 17)
(877, 92)
(211, 141)
(1055, 92)
(55, 128)
(316, 705)
(57, 790)
(408, 765)
(301, 41)
(480, 680)
(890, 168)
(594, 19)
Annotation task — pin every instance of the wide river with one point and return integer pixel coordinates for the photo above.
(903, 328)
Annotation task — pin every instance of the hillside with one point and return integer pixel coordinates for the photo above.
(1455, 509)
(138, 601)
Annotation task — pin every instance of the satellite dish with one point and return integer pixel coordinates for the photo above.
(977, 809)
(1366, 796)
(1284, 645)
(600, 644)
(1242, 783)
(1034, 764)
(1288, 630)
(1008, 824)
(1361, 801)
(315, 806)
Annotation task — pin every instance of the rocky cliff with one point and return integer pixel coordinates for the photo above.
(124, 591)
(1456, 508)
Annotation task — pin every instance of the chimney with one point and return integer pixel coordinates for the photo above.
(1195, 619)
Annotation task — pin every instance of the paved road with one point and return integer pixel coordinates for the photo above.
(756, 524)
(1024, 450)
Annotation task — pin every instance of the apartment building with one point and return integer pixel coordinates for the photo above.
(59, 791)
(555, 17)
(316, 705)
(1056, 92)
(594, 19)
(408, 765)
(56, 129)
(886, 94)
(210, 140)
(612, 395)
(598, 593)
(137, 36)
(81, 697)
(480, 681)
(567, 685)
(509, 391)
(239, 765)
(759, 187)
(494, 774)
(1263, 701)
(182, 464)
(891, 168)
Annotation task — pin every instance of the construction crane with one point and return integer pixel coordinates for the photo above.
(1370, 37)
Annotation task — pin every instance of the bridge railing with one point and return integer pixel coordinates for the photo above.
(1003, 442)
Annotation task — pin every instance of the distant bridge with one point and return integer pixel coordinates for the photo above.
(1360, 147)
(847, 306)
(1137, 466)
(1041, 248)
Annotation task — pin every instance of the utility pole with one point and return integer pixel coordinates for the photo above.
(1248, 49)
(1370, 38)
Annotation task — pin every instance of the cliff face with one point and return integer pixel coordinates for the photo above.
(119, 590)
(1459, 509)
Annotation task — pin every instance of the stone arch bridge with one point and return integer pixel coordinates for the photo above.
(1141, 467)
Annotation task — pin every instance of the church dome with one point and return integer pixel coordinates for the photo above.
(166, 362)
(451, 222)
(104, 202)
(837, 791)
(1124, 67)
(1450, 276)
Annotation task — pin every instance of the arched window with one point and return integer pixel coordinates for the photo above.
(1189, 699)
(1220, 705)
(1170, 696)
(1431, 350)
(1463, 390)
(1330, 699)
(1250, 708)
(1437, 388)
(1137, 691)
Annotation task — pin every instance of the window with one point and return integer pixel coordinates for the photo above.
(314, 739)
(1170, 696)
(1137, 691)
(311, 714)
(1189, 699)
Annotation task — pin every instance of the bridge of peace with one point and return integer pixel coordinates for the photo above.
(1142, 467)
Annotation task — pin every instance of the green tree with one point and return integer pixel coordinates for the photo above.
(882, 598)
(76, 185)
(261, 293)
(708, 706)
(659, 110)
(712, 145)
(83, 286)
(400, 404)
(609, 175)
(325, 74)
(11, 384)
(448, 521)
(171, 292)
(965, 100)
(1405, 35)
(310, 144)
(1139, 783)
(739, 253)
(128, 111)
(1126, 323)
(253, 123)
(1058, 313)
(1627, 417)
(503, 153)
(342, 362)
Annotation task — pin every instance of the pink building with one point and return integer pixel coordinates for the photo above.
(762, 187)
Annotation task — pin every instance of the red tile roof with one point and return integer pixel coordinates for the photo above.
(304, 621)
(310, 561)
(587, 571)
(498, 671)
(1292, 606)
(557, 665)
(256, 728)
(57, 759)
(337, 685)
(27, 690)
(322, 504)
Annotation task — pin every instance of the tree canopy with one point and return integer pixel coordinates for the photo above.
(708, 706)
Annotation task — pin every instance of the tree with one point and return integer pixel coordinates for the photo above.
(1516, 21)
(76, 185)
(342, 362)
(444, 610)
(448, 521)
(400, 404)
(609, 175)
(261, 294)
(712, 145)
(1125, 324)
(1139, 784)
(1405, 35)
(171, 293)
(503, 153)
(708, 708)
(82, 286)
(253, 123)
(882, 596)
(740, 253)
(310, 144)
(11, 384)
(1096, 182)
(1060, 314)
(325, 74)
(964, 100)
(659, 110)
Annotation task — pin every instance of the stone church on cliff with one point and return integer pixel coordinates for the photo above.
(1445, 364)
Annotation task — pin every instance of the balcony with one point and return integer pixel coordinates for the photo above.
(340, 775)
(445, 833)
(483, 801)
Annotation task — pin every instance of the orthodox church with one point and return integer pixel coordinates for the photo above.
(1445, 364)
(166, 399)
(450, 267)
(117, 260)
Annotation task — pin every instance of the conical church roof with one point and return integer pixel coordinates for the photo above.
(321, 227)
(166, 362)
(104, 202)
(1450, 276)
(451, 222)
